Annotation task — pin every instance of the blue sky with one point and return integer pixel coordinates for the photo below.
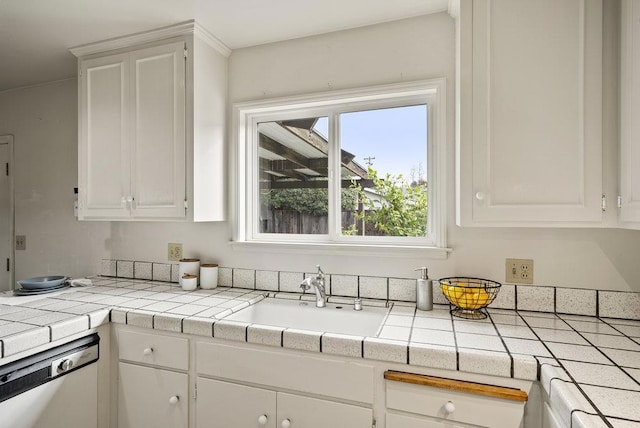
(396, 137)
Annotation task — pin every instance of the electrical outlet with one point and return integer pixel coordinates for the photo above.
(21, 242)
(519, 271)
(174, 252)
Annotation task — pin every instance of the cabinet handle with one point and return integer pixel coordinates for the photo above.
(286, 423)
(480, 196)
(262, 420)
(123, 202)
(174, 400)
(148, 351)
(449, 407)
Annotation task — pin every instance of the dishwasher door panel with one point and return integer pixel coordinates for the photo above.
(66, 402)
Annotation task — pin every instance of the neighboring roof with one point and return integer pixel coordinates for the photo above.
(293, 155)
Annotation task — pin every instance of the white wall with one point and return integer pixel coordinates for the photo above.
(43, 120)
(413, 49)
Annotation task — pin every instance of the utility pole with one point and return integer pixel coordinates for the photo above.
(369, 160)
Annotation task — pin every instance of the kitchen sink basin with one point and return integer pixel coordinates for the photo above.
(334, 318)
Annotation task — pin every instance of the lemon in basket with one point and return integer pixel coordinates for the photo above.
(474, 298)
(454, 293)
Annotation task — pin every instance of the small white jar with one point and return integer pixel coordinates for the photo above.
(188, 266)
(208, 276)
(189, 282)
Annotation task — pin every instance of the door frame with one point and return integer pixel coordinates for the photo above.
(8, 139)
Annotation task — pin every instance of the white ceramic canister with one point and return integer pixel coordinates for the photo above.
(189, 282)
(208, 275)
(188, 266)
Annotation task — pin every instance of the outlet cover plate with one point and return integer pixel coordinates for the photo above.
(174, 252)
(519, 271)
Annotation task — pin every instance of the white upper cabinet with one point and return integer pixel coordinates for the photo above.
(104, 151)
(158, 135)
(529, 140)
(150, 147)
(629, 115)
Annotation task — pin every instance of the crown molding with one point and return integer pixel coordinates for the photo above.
(190, 27)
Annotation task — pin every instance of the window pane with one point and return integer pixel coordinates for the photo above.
(384, 161)
(293, 173)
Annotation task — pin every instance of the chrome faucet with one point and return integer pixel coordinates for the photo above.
(318, 285)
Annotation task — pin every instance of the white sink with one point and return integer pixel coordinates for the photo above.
(334, 318)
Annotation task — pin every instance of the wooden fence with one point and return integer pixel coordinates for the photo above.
(289, 221)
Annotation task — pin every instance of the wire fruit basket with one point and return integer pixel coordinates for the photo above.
(469, 296)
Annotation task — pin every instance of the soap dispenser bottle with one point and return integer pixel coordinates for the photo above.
(424, 291)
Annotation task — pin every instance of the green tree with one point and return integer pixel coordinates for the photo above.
(401, 209)
(306, 201)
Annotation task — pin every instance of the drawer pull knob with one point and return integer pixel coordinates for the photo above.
(286, 423)
(174, 400)
(449, 407)
(147, 351)
(480, 196)
(262, 420)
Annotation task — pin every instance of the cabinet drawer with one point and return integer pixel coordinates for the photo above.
(470, 408)
(155, 349)
(333, 378)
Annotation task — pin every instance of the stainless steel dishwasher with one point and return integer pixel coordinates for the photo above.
(55, 388)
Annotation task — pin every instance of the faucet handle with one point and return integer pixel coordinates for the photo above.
(305, 284)
(320, 272)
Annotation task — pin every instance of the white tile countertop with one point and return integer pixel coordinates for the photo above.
(589, 366)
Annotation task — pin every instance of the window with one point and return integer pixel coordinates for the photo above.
(360, 167)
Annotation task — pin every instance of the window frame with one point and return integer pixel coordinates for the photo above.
(246, 117)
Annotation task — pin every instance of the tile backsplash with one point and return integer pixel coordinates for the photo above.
(574, 301)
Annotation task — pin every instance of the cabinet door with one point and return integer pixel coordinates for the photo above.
(147, 397)
(305, 412)
(402, 421)
(629, 113)
(228, 405)
(157, 135)
(103, 150)
(530, 148)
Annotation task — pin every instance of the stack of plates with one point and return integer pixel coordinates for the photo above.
(41, 285)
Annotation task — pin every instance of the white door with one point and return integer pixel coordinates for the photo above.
(305, 412)
(228, 405)
(158, 132)
(103, 164)
(149, 397)
(5, 216)
(629, 113)
(531, 113)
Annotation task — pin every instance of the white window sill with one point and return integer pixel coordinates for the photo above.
(343, 249)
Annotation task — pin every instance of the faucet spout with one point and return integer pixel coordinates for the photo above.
(317, 283)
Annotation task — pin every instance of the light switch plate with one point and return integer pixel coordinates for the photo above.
(21, 242)
(519, 271)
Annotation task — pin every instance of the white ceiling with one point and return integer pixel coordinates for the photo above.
(35, 34)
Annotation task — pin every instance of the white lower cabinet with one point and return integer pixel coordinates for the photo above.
(431, 406)
(403, 421)
(227, 405)
(152, 397)
(285, 391)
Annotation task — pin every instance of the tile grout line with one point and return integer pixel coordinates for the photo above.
(511, 369)
(605, 355)
(569, 375)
